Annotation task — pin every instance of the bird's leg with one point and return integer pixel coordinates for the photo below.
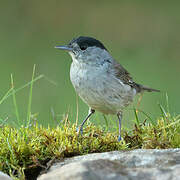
(119, 115)
(91, 111)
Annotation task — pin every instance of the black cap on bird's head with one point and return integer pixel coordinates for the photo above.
(83, 42)
(87, 41)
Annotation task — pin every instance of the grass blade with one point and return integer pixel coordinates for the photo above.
(30, 97)
(136, 116)
(148, 116)
(6, 96)
(106, 121)
(14, 100)
(77, 110)
(9, 93)
(167, 103)
(164, 114)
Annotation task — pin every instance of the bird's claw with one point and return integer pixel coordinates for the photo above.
(79, 131)
(119, 138)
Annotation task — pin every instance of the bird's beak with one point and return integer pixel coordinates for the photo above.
(66, 48)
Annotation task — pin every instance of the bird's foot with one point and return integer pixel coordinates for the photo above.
(79, 131)
(119, 138)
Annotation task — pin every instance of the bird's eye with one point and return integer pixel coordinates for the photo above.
(83, 47)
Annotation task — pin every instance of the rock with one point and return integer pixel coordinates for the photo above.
(119, 165)
(4, 176)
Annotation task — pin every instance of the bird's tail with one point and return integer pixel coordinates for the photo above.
(144, 88)
(150, 89)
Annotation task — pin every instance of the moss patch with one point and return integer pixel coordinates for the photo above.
(29, 149)
(26, 151)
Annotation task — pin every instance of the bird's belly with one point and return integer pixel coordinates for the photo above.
(101, 91)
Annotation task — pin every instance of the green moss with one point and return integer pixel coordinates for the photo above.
(26, 151)
(165, 133)
(31, 148)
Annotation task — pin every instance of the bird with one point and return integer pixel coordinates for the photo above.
(100, 81)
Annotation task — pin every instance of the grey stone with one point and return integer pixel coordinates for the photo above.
(119, 165)
(4, 176)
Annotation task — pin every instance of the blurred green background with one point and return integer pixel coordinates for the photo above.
(144, 36)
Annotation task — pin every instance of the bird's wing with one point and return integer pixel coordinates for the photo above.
(122, 74)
